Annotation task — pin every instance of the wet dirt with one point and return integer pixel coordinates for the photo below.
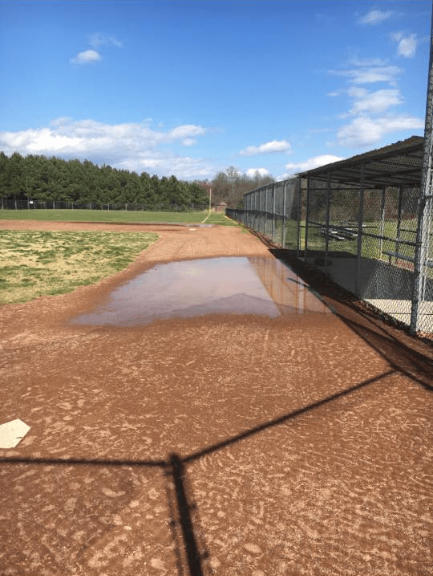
(218, 444)
(257, 285)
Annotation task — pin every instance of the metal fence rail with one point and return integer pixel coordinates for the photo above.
(364, 239)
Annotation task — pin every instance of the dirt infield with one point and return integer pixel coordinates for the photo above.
(226, 445)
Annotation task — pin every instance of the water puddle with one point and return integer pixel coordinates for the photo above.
(235, 285)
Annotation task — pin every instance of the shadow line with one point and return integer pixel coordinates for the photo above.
(392, 343)
(385, 345)
(82, 462)
(175, 469)
(184, 507)
(284, 418)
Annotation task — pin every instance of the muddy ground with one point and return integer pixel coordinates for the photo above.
(226, 445)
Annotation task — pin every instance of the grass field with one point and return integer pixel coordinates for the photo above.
(116, 216)
(34, 263)
(371, 247)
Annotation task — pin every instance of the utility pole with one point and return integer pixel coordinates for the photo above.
(210, 199)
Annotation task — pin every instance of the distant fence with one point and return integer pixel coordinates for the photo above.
(20, 204)
(365, 240)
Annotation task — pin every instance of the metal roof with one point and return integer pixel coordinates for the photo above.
(394, 165)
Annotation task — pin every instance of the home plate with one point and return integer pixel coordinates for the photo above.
(11, 433)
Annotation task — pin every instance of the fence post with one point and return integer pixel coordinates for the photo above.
(328, 200)
(255, 211)
(298, 215)
(249, 207)
(425, 203)
(400, 200)
(284, 214)
(382, 221)
(273, 212)
(307, 215)
(360, 222)
(259, 213)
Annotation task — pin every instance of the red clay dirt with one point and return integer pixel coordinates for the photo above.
(225, 445)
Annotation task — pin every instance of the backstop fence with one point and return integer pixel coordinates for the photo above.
(365, 238)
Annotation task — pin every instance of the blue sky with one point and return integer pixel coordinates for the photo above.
(191, 87)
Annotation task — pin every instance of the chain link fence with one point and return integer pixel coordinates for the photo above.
(275, 211)
(363, 239)
(20, 204)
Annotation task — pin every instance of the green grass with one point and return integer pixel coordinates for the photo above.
(371, 247)
(220, 219)
(34, 263)
(116, 216)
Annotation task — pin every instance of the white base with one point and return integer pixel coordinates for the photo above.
(11, 433)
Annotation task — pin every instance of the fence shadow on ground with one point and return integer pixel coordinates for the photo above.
(193, 557)
(406, 354)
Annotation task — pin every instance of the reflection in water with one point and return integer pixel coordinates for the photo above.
(239, 285)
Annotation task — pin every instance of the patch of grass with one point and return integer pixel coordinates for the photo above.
(220, 219)
(115, 216)
(35, 263)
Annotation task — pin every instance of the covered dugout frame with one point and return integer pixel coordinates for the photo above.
(363, 221)
(363, 228)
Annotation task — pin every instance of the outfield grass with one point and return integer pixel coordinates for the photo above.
(33, 263)
(116, 216)
(221, 219)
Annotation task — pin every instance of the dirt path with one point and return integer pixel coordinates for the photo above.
(213, 445)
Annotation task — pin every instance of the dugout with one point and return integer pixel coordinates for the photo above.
(362, 220)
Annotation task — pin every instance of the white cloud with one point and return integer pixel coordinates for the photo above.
(406, 45)
(314, 162)
(365, 131)
(98, 39)
(86, 57)
(252, 172)
(370, 74)
(93, 53)
(375, 17)
(267, 148)
(186, 131)
(368, 61)
(189, 141)
(375, 102)
(135, 146)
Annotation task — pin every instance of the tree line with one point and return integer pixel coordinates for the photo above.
(46, 180)
(230, 186)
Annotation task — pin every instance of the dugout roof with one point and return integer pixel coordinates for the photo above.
(394, 165)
